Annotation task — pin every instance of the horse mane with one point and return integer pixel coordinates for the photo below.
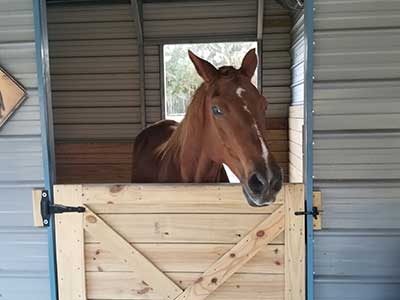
(193, 117)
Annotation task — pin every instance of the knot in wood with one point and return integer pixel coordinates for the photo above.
(91, 219)
(214, 280)
(116, 188)
(260, 233)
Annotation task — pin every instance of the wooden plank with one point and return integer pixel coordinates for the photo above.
(171, 198)
(276, 123)
(94, 153)
(296, 148)
(36, 198)
(296, 111)
(234, 259)
(182, 228)
(294, 243)
(276, 135)
(129, 286)
(296, 161)
(112, 240)
(296, 124)
(281, 157)
(184, 258)
(93, 173)
(278, 146)
(295, 176)
(296, 136)
(317, 201)
(70, 245)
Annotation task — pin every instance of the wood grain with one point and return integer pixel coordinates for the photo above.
(129, 286)
(317, 201)
(233, 260)
(184, 258)
(171, 198)
(182, 228)
(36, 199)
(127, 254)
(70, 241)
(294, 243)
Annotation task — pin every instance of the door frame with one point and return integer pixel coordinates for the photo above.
(46, 127)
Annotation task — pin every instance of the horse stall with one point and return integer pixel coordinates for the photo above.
(93, 75)
(106, 66)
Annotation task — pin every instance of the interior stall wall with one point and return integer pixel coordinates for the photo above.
(296, 109)
(276, 78)
(23, 249)
(95, 89)
(357, 149)
(94, 61)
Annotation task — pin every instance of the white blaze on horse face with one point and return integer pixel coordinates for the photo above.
(264, 149)
(239, 91)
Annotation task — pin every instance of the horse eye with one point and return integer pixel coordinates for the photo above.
(216, 110)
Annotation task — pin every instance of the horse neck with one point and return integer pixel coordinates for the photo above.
(191, 143)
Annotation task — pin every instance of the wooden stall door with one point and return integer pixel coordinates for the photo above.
(184, 242)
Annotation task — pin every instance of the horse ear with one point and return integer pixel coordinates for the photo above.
(249, 63)
(206, 70)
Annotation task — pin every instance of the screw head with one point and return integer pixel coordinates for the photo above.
(44, 194)
(45, 222)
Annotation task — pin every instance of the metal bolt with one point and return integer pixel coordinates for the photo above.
(45, 222)
(313, 111)
(44, 194)
(313, 43)
(313, 143)
(313, 78)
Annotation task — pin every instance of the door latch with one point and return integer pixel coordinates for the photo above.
(315, 212)
(47, 208)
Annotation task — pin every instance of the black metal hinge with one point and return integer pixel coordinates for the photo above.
(315, 212)
(47, 208)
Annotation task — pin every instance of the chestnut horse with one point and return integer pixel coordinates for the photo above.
(224, 123)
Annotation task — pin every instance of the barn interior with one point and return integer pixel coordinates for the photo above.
(107, 75)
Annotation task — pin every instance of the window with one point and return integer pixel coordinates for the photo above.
(180, 77)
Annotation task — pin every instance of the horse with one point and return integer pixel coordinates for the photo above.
(224, 124)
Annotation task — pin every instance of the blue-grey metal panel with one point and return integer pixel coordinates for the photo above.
(23, 249)
(94, 66)
(357, 148)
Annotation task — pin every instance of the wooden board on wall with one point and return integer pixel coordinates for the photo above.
(296, 121)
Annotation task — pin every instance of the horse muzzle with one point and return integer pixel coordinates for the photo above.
(260, 190)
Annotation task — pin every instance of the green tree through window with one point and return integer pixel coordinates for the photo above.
(180, 77)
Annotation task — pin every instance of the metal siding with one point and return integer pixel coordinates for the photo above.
(276, 77)
(94, 65)
(23, 248)
(357, 149)
(168, 21)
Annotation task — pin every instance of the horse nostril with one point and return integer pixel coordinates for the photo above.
(256, 183)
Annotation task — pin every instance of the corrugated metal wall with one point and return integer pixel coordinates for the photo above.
(23, 248)
(276, 77)
(357, 148)
(94, 71)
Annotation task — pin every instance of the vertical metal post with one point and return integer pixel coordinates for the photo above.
(162, 83)
(308, 138)
(260, 32)
(46, 123)
(137, 12)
